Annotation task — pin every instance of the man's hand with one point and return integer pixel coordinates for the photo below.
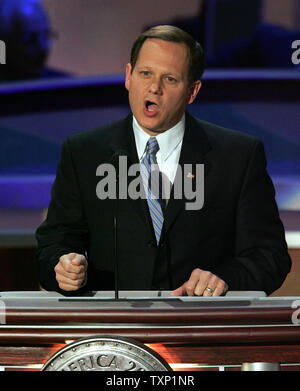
(202, 283)
(71, 271)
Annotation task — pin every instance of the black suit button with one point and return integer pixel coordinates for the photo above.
(151, 244)
(162, 244)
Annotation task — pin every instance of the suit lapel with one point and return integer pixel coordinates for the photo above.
(124, 141)
(195, 146)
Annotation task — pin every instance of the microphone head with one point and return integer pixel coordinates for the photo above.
(115, 156)
(114, 160)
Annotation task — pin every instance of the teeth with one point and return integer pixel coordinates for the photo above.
(151, 107)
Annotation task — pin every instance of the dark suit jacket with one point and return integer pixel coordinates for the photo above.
(237, 234)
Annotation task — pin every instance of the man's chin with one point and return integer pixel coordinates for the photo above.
(152, 129)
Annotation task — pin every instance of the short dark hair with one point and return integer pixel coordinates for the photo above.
(173, 34)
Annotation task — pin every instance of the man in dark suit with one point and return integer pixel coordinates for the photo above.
(235, 240)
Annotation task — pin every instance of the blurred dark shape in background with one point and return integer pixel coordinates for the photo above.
(269, 47)
(233, 35)
(25, 28)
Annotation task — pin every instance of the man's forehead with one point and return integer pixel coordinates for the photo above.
(156, 49)
(165, 44)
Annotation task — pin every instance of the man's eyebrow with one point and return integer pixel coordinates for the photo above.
(167, 73)
(143, 67)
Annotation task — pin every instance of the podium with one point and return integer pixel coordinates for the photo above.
(190, 333)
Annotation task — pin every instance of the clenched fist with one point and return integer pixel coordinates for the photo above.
(70, 271)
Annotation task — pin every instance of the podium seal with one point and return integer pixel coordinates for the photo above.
(106, 353)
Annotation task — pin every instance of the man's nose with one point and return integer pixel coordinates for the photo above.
(155, 86)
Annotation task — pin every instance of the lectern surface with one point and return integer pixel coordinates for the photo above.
(145, 299)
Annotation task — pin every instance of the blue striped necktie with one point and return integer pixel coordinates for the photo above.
(152, 184)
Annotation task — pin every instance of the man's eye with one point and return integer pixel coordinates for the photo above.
(171, 79)
(145, 73)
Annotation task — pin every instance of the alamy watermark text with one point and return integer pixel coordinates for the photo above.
(296, 53)
(188, 184)
(2, 52)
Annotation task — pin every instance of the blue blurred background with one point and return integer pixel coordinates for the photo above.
(64, 73)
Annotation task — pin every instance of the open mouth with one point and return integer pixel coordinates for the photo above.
(151, 107)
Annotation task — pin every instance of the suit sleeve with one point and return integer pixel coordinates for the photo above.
(261, 260)
(65, 229)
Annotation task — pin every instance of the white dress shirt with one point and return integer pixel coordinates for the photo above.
(169, 142)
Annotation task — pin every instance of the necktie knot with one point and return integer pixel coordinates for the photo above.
(152, 146)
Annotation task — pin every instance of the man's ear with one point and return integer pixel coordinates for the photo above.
(194, 89)
(128, 76)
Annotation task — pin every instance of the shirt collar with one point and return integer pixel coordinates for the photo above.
(167, 140)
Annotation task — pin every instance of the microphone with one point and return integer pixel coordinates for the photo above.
(114, 160)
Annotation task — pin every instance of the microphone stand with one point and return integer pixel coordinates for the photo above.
(115, 225)
(115, 161)
(116, 251)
